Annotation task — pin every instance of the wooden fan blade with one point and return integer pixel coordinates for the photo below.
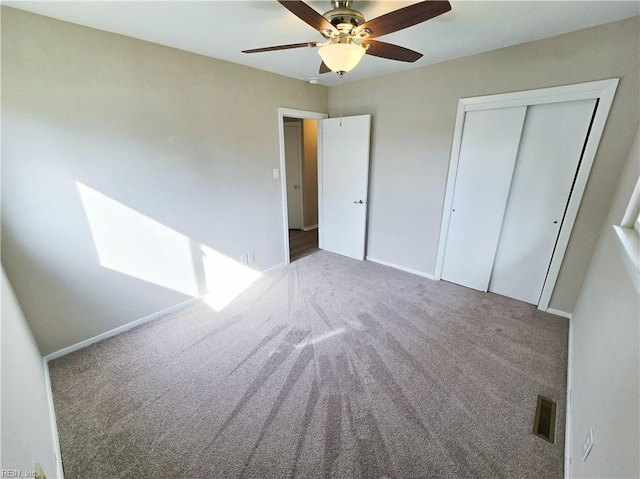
(324, 68)
(308, 15)
(405, 17)
(390, 51)
(282, 47)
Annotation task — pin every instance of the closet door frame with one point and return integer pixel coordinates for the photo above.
(603, 91)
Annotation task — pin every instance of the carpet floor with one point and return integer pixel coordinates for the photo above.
(328, 368)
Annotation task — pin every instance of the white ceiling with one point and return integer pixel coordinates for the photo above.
(221, 29)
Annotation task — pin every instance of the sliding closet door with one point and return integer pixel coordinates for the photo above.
(487, 156)
(552, 141)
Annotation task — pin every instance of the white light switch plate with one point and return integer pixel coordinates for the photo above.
(276, 173)
(588, 444)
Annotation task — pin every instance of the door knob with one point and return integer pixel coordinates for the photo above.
(360, 202)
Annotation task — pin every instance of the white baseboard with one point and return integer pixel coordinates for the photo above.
(54, 425)
(567, 425)
(559, 312)
(133, 324)
(309, 228)
(274, 268)
(118, 330)
(401, 268)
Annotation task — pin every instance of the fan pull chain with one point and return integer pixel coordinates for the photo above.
(340, 74)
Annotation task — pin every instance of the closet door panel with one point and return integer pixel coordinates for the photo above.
(552, 141)
(488, 153)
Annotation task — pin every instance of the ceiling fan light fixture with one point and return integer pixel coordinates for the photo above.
(341, 57)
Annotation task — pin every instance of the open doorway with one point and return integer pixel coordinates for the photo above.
(300, 115)
(342, 181)
(301, 179)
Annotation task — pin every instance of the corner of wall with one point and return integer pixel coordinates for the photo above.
(29, 432)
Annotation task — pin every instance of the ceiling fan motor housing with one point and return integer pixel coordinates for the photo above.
(345, 19)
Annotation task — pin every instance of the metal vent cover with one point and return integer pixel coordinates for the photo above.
(544, 425)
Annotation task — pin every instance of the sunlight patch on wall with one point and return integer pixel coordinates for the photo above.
(225, 278)
(133, 244)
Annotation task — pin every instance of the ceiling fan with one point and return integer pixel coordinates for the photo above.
(348, 36)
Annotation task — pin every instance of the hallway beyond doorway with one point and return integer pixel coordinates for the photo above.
(302, 243)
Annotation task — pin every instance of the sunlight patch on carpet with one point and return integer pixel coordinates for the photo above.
(320, 338)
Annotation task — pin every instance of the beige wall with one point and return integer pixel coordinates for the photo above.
(182, 144)
(310, 171)
(605, 360)
(412, 128)
(26, 421)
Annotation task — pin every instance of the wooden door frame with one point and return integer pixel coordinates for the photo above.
(603, 91)
(304, 115)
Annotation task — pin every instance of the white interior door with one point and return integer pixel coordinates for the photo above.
(552, 141)
(293, 160)
(488, 152)
(345, 183)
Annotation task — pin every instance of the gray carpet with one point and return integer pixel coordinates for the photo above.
(328, 368)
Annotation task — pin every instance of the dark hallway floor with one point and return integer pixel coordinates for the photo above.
(302, 243)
